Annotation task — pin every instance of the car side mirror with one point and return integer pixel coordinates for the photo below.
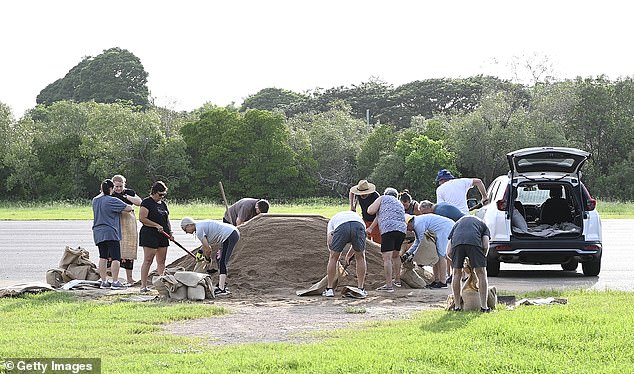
(471, 203)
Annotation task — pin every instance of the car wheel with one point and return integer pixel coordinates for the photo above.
(570, 265)
(493, 267)
(591, 268)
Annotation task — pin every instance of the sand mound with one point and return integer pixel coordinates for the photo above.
(287, 251)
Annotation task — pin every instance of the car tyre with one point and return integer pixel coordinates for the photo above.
(570, 265)
(493, 267)
(591, 268)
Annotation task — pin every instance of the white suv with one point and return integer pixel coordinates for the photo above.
(541, 213)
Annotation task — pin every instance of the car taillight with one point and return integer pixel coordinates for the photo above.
(591, 203)
(501, 204)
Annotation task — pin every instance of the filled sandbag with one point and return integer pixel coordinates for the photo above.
(427, 255)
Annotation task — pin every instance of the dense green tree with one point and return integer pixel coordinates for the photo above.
(273, 99)
(379, 143)
(335, 137)
(114, 75)
(249, 152)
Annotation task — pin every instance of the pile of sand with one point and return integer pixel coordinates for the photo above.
(289, 251)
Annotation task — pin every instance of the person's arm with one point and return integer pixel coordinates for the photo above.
(416, 244)
(143, 217)
(353, 201)
(128, 208)
(372, 226)
(483, 191)
(374, 207)
(206, 247)
(485, 245)
(136, 199)
(449, 249)
(329, 239)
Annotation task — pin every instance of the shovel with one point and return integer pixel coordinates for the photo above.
(178, 244)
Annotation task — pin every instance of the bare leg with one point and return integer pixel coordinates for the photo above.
(148, 258)
(483, 286)
(455, 287)
(114, 270)
(387, 267)
(161, 255)
(102, 268)
(128, 274)
(359, 257)
(396, 266)
(222, 281)
(331, 269)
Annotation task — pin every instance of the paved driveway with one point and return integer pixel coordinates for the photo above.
(29, 248)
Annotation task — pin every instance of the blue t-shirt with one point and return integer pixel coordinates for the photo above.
(107, 218)
(448, 210)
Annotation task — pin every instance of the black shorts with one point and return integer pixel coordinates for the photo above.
(127, 264)
(475, 254)
(152, 238)
(392, 241)
(110, 249)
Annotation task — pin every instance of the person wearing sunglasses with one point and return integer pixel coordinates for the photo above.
(154, 215)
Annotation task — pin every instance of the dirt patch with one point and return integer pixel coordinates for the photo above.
(289, 318)
(278, 255)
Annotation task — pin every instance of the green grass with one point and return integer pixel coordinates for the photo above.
(82, 210)
(591, 334)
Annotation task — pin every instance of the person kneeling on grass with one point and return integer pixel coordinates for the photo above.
(213, 232)
(343, 228)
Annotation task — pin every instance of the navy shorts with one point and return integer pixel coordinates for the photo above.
(392, 241)
(110, 249)
(475, 254)
(352, 232)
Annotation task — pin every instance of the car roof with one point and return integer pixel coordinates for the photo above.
(547, 159)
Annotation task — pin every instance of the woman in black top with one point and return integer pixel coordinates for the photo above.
(154, 215)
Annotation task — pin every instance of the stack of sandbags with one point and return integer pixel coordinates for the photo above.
(185, 285)
(75, 264)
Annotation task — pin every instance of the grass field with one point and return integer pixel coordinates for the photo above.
(201, 210)
(590, 334)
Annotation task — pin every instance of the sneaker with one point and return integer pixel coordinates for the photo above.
(396, 283)
(364, 292)
(438, 285)
(432, 284)
(457, 309)
(485, 310)
(105, 284)
(144, 290)
(329, 292)
(385, 288)
(118, 286)
(449, 278)
(221, 292)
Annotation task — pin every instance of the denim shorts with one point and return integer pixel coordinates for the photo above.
(352, 232)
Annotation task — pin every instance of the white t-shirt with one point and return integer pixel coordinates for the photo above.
(343, 217)
(454, 192)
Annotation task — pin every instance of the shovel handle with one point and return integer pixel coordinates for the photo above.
(178, 244)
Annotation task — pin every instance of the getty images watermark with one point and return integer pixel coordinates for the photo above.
(50, 365)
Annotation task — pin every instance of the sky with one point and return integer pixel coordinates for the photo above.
(223, 51)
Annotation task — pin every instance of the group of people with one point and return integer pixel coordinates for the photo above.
(385, 219)
(388, 218)
(115, 232)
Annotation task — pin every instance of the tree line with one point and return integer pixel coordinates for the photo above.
(281, 144)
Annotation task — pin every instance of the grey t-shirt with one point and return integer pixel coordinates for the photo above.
(243, 208)
(216, 232)
(468, 230)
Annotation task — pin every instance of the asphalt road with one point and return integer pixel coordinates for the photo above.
(29, 248)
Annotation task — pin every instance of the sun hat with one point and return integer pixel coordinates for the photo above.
(444, 174)
(187, 221)
(363, 188)
(408, 218)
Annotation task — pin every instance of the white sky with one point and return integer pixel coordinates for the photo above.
(224, 51)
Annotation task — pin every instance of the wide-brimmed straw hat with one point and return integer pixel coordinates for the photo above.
(363, 188)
